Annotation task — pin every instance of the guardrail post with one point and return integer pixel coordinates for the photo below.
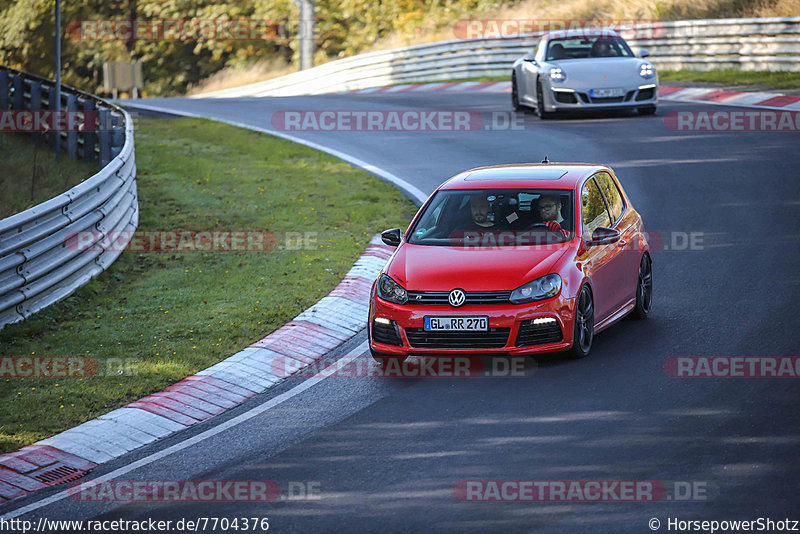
(90, 129)
(18, 101)
(72, 136)
(117, 136)
(104, 136)
(51, 100)
(3, 90)
(36, 104)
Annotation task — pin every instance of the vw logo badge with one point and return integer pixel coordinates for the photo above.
(457, 297)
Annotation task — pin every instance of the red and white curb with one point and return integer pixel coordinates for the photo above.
(681, 94)
(312, 334)
(698, 95)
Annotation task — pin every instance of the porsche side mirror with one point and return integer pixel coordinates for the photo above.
(644, 52)
(392, 237)
(604, 236)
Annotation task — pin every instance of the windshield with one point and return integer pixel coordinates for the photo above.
(495, 217)
(560, 49)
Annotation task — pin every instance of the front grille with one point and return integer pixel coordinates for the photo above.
(531, 334)
(629, 95)
(473, 297)
(386, 334)
(491, 339)
(584, 97)
(609, 100)
(645, 94)
(565, 98)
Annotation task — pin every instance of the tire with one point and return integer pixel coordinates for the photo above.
(544, 115)
(583, 331)
(646, 110)
(515, 93)
(385, 359)
(644, 289)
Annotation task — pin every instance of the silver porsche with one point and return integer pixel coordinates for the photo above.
(581, 70)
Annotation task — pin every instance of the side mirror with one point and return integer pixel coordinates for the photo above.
(530, 57)
(604, 236)
(644, 52)
(392, 237)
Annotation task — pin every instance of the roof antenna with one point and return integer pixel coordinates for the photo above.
(545, 160)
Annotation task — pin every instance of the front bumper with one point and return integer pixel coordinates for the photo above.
(566, 98)
(407, 321)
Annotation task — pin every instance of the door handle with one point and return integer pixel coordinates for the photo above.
(622, 243)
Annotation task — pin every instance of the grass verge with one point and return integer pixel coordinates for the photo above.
(166, 316)
(29, 174)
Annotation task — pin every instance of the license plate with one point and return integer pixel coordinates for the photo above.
(465, 324)
(606, 93)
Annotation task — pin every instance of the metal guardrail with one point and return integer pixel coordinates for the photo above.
(38, 265)
(745, 44)
(22, 91)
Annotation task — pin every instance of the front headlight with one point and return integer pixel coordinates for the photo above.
(542, 288)
(557, 74)
(646, 70)
(390, 290)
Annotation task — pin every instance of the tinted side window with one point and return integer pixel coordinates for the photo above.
(611, 193)
(593, 209)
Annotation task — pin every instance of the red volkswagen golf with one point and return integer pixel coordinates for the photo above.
(512, 259)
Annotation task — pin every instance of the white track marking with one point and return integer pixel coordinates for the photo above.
(211, 432)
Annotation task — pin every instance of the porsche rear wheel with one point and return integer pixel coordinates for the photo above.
(584, 324)
(515, 93)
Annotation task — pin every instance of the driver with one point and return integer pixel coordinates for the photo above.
(550, 211)
(479, 209)
(602, 49)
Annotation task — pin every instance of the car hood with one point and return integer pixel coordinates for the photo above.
(592, 71)
(433, 268)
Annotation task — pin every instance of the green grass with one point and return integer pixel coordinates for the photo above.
(23, 183)
(171, 315)
(777, 80)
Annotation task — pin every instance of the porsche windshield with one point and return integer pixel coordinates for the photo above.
(495, 217)
(560, 49)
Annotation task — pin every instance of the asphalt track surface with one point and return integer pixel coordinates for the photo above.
(387, 453)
